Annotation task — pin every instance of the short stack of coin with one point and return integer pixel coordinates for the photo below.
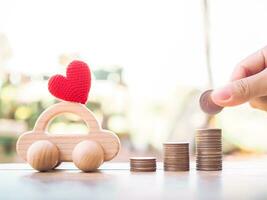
(209, 150)
(143, 164)
(176, 156)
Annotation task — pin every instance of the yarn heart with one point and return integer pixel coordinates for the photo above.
(75, 86)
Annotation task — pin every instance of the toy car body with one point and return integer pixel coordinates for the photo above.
(65, 144)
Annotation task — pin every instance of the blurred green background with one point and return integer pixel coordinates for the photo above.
(150, 61)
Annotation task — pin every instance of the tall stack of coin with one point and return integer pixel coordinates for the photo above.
(143, 164)
(209, 149)
(176, 156)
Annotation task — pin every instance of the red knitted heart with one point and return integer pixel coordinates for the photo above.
(75, 87)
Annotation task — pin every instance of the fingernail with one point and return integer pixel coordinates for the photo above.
(222, 94)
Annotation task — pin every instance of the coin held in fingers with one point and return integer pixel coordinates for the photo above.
(207, 104)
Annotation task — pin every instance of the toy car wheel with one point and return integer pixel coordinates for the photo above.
(88, 155)
(58, 163)
(43, 155)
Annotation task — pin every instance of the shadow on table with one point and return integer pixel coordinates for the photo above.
(209, 185)
(192, 185)
(70, 176)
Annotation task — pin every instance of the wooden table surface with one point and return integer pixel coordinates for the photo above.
(238, 180)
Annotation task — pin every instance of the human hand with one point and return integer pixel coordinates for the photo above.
(248, 83)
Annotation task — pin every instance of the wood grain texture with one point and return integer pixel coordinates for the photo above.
(66, 143)
(43, 155)
(88, 155)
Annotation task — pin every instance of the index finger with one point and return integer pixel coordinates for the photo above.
(251, 65)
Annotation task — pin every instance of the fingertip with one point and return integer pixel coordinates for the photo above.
(222, 96)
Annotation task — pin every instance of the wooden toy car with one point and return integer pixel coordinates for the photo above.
(44, 151)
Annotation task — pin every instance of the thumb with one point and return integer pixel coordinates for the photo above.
(242, 90)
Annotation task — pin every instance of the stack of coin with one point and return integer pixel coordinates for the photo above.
(176, 156)
(209, 149)
(143, 164)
